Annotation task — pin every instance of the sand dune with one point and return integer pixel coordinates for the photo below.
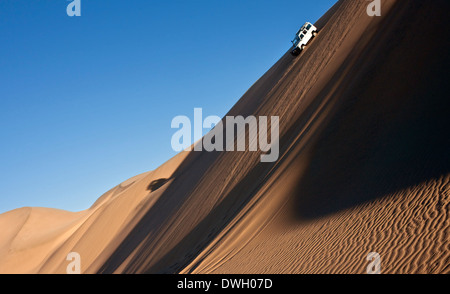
(364, 167)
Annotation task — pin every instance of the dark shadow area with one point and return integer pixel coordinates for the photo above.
(392, 128)
(156, 184)
(158, 216)
(229, 209)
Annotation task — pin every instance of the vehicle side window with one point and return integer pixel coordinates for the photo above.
(308, 27)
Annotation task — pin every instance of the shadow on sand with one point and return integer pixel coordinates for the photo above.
(392, 131)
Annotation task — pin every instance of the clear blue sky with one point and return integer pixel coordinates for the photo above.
(86, 102)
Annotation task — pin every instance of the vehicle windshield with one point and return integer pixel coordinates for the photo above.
(296, 40)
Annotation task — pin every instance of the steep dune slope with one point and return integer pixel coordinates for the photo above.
(357, 96)
(363, 167)
(368, 172)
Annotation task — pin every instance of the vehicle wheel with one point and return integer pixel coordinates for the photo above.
(314, 33)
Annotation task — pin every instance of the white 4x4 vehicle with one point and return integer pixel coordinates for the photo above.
(302, 38)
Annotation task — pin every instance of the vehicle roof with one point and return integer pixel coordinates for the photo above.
(301, 29)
